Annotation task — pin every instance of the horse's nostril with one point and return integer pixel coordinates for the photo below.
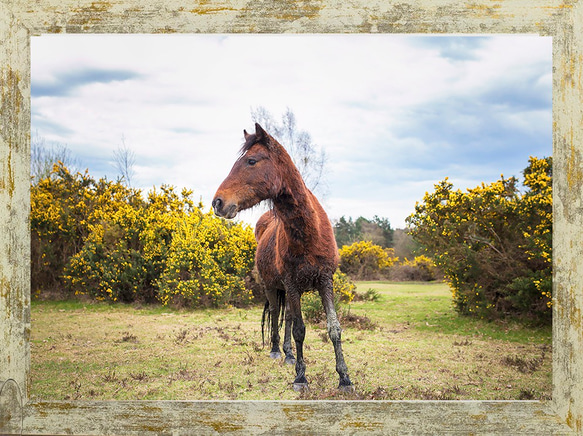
(217, 202)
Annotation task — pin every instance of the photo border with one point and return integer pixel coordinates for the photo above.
(20, 19)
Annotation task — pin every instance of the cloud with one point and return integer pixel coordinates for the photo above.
(68, 82)
(473, 130)
(521, 92)
(49, 127)
(453, 48)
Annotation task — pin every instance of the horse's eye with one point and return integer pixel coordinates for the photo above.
(251, 161)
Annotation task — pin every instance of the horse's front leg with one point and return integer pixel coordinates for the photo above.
(287, 348)
(299, 333)
(274, 310)
(335, 333)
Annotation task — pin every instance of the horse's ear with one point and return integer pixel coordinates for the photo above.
(246, 135)
(260, 134)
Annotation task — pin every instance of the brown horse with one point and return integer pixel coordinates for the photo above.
(296, 249)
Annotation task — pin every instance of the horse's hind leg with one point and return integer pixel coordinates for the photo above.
(335, 333)
(287, 348)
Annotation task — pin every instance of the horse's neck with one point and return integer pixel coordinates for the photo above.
(295, 208)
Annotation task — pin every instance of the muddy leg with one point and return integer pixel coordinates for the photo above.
(299, 333)
(335, 333)
(275, 353)
(287, 348)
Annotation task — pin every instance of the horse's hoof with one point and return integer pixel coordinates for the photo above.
(300, 387)
(290, 360)
(275, 355)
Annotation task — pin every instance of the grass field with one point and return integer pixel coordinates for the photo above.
(409, 344)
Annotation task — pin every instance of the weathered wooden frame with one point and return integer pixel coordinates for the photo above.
(561, 19)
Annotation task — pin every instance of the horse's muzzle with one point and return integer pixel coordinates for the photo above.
(224, 211)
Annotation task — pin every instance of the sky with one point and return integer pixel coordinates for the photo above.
(395, 114)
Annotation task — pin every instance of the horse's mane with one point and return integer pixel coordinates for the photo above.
(250, 141)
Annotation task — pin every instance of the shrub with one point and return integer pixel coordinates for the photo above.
(343, 287)
(365, 261)
(207, 263)
(60, 214)
(121, 257)
(420, 269)
(312, 308)
(65, 209)
(103, 240)
(344, 292)
(493, 242)
(370, 294)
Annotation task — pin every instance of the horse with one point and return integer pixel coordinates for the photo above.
(296, 248)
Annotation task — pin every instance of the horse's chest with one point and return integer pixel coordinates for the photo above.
(305, 274)
(277, 268)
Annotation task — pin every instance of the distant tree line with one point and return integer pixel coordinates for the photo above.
(371, 250)
(377, 230)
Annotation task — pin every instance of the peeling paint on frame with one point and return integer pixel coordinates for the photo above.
(562, 19)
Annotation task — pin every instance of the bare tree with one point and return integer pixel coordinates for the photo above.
(307, 156)
(125, 159)
(44, 156)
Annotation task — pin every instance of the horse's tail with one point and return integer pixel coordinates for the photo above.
(266, 318)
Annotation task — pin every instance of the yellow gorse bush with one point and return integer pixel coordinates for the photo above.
(365, 260)
(207, 263)
(102, 239)
(492, 242)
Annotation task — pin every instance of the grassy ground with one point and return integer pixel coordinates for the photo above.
(409, 344)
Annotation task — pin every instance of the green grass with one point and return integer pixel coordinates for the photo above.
(429, 307)
(409, 344)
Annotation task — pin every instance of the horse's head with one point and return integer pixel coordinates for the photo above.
(255, 176)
